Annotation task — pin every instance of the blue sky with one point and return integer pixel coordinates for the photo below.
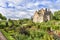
(25, 8)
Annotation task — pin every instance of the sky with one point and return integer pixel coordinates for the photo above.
(17, 9)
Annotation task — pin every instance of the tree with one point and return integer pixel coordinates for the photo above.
(57, 15)
(2, 17)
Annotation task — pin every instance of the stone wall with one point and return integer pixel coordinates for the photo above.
(42, 15)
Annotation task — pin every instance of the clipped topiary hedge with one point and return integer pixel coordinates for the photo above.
(7, 35)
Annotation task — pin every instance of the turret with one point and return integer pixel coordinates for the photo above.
(46, 9)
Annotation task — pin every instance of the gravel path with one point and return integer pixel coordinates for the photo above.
(2, 37)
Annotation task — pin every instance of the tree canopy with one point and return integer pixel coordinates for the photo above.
(2, 17)
(57, 15)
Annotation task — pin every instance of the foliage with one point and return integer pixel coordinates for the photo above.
(7, 35)
(2, 17)
(57, 15)
(25, 29)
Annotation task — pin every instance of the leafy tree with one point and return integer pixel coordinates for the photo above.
(57, 15)
(2, 17)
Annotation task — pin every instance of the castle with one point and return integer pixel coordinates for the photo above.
(42, 15)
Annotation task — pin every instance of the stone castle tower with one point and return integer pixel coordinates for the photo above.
(42, 15)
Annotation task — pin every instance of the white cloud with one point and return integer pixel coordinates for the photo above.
(15, 1)
(25, 9)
